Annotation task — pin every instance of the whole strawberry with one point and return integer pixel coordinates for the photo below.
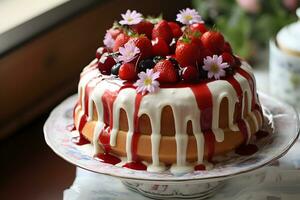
(198, 27)
(127, 72)
(214, 41)
(190, 74)
(227, 57)
(160, 47)
(144, 27)
(187, 52)
(121, 39)
(167, 71)
(176, 29)
(163, 30)
(145, 46)
(227, 48)
(105, 63)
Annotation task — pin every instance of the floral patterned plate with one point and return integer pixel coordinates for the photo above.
(281, 121)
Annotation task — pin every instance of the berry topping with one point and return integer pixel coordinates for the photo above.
(156, 59)
(227, 47)
(176, 29)
(100, 51)
(105, 63)
(190, 74)
(167, 71)
(187, 52)
(213, 41)
(144, 27)
(145, 64)
(145, 46)
(198, 28)
(121, 39)
(163, 30)
(228, 58)
(127, 72)
(160, 47)
(115, 68)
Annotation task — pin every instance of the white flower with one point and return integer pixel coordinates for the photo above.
(147, 82)
(108, 40)
(215, 66)
(131, 18)
(189, 16)
(128, 52)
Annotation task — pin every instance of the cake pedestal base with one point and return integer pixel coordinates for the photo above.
(179, 190)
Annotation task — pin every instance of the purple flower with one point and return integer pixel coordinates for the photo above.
(188, 16)
(131, 18)
(128, 52)
(147, 82)
(108, 40)
(215, 66)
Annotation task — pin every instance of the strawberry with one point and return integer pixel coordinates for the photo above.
(160, 47)
(227, 48)
(105, 63)
(144, 27)
(187, 52)
(114, 32)
(121, 39)
(100, 51)
(227, 57)
(145, 46)
(127, 72)
(203, 54)
(163, 30)
(198, 27)
(176, 29)
(214, 41)
(190, 74)
(167, 71)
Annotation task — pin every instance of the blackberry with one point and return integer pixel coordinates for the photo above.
(115, 68)
(145, 64)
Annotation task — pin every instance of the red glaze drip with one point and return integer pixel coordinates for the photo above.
(243, 128)
(136, 134)
(209, 144)
(251, 83)
(200, 167)
(261, 134)
(104, 138)
(246, 150)
(135, 166)
(80, 140)
(108, 158)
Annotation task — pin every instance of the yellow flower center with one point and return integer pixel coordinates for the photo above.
(148, 81)
(214, 68)
(130, 19)
(188, 17)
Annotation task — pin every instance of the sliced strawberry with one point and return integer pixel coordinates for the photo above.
(187, 52)
(227, 57)
(105, 63)
(214, 41)
(163, 30)
(167, 72)
(227, 48)
(200, 27)
(100, 51)
(127, 72)
(145, 46)
(114, 32)
(160, 47)
(121, 39)
(176, 29)
(190, 74)
(144, 27)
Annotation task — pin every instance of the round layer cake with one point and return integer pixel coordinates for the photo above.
(179, 122)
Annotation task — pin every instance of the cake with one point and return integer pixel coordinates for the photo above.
(166, 95)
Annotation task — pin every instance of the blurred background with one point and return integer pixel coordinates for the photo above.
(45, 44)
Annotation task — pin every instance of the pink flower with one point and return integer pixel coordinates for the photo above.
(128, 52)
(108, 40)
(131, 18)
(188, 16)
(215, 66)
(147, 82)
(251, 6)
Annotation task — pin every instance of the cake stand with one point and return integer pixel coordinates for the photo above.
(281, 122)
